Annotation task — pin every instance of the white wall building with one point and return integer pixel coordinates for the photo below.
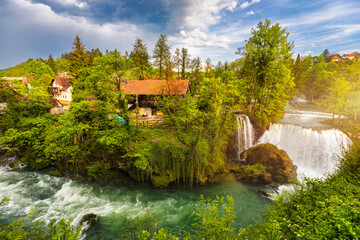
(61, 89)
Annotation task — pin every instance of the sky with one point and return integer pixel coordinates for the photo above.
(208, 28)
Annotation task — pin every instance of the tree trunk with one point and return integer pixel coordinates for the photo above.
(263, 93)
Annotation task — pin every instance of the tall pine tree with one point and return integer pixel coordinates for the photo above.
(78, 59)
(185, 61)
(140, 56)
(177, 61)
(161, 54)
(51, 63)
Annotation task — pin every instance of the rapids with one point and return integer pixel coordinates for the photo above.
(54, 197)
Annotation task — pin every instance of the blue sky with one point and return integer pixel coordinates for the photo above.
(208, 28)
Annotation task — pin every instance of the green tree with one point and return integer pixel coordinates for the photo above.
(214, 219)
(140, 56)
(326, 55)
(37, 69)
(113, 67)
(338, 98)
(62, 65)
(78, 59)
(267, 67)
(185, 61)
(161, 54)
(51, 63)
(177, 61)
(208, 67)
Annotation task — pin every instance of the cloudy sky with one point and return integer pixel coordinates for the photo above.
(208, 28)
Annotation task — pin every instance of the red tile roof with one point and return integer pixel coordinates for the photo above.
(157, 87)
(64, 82)
(350, 55)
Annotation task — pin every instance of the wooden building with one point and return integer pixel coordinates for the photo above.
(145, 92)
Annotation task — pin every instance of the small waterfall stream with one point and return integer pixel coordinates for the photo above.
(244, 133)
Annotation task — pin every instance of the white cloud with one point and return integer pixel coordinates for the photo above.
(38, 35)
(248, 4)
(201, 13)
(250, 12)
(331, 26)
(194, 22)
(326, 14)
(72, 2)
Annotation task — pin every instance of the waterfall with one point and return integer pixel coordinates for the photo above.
(244, 133)
(314, 152)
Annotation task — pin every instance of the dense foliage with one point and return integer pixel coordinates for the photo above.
(334, 85)
(267, 82)
(24, 229)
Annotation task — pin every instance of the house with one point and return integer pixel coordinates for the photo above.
(61, 89)
(335, 58)
(56, 106)
(350, 56)
(146, 91)
(25, 80)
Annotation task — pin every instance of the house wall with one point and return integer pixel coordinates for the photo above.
(65, 95)
(145, 111)
(56, 110)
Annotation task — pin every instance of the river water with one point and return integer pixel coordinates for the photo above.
(312, 146)
(58, 198)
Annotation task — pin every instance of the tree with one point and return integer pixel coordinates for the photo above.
(177, 61)
(161, 53)
(185, 61)
(113, 66)
(78, 59)
(267, 64)
(326, 55)
(140, 56)
(62, 65)
(51, 63)
(37, 69)
(195, 65)
(208, 67)
(338, 98)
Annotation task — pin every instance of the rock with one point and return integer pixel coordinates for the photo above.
(90, 221)
(276, 162)
(253, 174)
(262, 193)
(56, 174)
(12, 165)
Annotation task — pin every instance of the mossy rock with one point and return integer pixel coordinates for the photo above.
(253, 174)
(56, 174)
(163, 180)
(275, 161)
(90, 220)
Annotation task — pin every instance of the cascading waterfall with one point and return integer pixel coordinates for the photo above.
(245, 134)
(314, 152)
